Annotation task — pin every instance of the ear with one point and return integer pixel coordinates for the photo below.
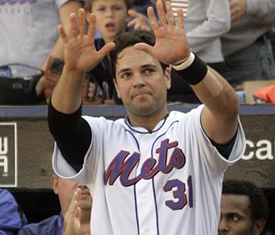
(167, 75)
(258, 226)
(54, 181)
(116, 86)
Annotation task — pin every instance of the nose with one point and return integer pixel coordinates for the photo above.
(109, 12)
(223, 227)
(138, 80)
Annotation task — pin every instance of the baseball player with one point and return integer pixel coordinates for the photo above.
(153, 172)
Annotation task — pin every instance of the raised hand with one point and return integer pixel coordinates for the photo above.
(79, 50)
(72, 219)
(139, 21)
(171, 45)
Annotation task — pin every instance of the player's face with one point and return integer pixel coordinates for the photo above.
(65, 189)
(111, 16)
(235, 216)
(141, 83)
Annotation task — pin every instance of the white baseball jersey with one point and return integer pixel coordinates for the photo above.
(164, 182)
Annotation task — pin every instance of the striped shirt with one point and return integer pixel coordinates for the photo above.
(183, 4)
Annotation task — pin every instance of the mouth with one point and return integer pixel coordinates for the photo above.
(110, 27)
(140, 95)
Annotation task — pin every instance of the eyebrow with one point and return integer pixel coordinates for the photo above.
(145, 66)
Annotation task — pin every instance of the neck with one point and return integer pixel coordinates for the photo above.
(107, 40)
(148, 122)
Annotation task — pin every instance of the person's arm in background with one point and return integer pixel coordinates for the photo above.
(57, 50)
(12, 218)
(217, 24)
(261, 12)
(138, 21)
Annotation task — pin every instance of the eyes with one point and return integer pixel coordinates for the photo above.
(234, 218)
(145, 73)
(113, 8)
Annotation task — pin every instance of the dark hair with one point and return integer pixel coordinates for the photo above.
(126, 40)
(258, 201)
(88, 4)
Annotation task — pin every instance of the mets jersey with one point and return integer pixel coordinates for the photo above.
(164, 182)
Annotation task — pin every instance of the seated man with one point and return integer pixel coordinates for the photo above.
(244, 209)
(11, 216)
(65, 189)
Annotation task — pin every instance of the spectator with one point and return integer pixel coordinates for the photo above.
(154, 171)
(244, 209)
(73, 225)
(12, 217)
(246, 47)
(111, 22)
(65, 189)
(28, 41)
(206, 22)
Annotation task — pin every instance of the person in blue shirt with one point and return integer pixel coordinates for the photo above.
(65, 189)
(12, 217)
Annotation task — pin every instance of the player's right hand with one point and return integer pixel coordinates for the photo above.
(79, 50)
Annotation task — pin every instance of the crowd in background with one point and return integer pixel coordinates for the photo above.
(234, 37)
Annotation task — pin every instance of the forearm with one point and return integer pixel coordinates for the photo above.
(262, 11)
(217, 94)
(66, 97)
(216, 24)
(220, 115)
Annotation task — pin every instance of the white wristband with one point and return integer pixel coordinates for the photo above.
(186, 63)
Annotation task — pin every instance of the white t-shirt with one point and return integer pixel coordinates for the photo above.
(166, 182)
(28, 32)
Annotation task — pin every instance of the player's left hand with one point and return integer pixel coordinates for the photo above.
(138, 21)
(171, 45)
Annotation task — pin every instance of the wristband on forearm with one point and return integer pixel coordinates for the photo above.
(192, 70)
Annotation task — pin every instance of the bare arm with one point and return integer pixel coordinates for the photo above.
(216, 24)
(80, 56)
(57, 50)
(220, 115)
(259, 11)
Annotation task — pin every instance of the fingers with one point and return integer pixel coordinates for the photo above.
(180, 18)
(133, 13)
(169, 12)
(169, 20)
(144, 47)
(73, 23)
(153, 19)
(106, 49)
(132, 22)
(82, 21)
(161, 13)
(92, 26)
(62, 34)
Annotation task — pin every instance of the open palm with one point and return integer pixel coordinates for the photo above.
(171, 42)
(80, 53)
